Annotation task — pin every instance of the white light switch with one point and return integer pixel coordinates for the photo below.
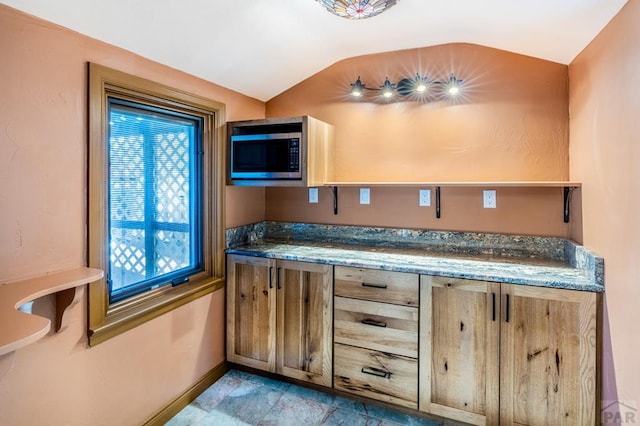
(313, 195)
(425, 198)
(365, 196)
(489, 198)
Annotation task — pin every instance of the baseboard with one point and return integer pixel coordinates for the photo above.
(182, 400)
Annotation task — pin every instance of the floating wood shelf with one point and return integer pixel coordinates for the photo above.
(20, 328)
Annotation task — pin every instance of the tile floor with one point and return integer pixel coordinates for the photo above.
(239, 398)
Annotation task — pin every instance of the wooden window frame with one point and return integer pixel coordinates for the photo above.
(107, 320)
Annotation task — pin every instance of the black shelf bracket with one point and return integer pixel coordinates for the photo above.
(334, 190)
(567, 202)
(438, 214)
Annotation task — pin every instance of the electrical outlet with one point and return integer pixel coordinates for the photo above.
(18, 240)
(313, 195)
(365, 196)
(489, 198)
(425, 198)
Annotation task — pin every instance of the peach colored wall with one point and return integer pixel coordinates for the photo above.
(605, 154)
(511, 124)
(522, 211)
(43, 139)
(245, 204)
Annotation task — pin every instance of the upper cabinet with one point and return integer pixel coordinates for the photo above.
(293, 151)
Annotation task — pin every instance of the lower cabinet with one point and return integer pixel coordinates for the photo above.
(474, 351)
(459, 349)
(510, 354)
(379, 375)
(280, 316)
(548, 357)
(376, 334)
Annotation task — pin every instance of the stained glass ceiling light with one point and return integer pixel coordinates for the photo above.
(362, 9)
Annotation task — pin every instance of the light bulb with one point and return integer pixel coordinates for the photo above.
(453, 86)
(387, 88)
(421, 84)
(357, 88)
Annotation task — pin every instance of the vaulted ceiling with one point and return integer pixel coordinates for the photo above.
(263, 47)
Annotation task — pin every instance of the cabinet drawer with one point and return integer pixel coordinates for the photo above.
(381, 286)
(375, 325)
(378, 375)
(457, 283)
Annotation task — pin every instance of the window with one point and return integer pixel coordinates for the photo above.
(155, 185)
(154, 193)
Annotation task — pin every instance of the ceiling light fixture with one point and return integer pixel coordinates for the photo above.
(362, 9)
(419, 87)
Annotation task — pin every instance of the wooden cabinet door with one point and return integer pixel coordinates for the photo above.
(548, 356)
(305, 321)
(459, 349)
(251, 312)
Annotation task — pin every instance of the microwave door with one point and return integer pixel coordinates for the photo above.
(265, 158)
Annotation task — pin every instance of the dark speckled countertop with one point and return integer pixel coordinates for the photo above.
(538, 261)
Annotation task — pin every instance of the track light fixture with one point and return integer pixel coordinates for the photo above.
(418, 87)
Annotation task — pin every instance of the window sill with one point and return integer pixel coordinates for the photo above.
(123, 317)
(26, 328)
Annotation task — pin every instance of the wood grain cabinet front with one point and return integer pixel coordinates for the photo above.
(507, 354)
(380, 286)
(548, 357)
(279, 317)
(377, 326)
(379, 375)
(376, 334)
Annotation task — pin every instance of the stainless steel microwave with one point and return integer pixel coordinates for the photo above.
(266, 156)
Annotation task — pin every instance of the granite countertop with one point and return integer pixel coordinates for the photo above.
(567, 266)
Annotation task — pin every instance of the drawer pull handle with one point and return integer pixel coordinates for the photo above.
(374, 323)
(507, 314)
(270, 276)
(493, 308)
(382, 286)
(376, 372)
(278, 284)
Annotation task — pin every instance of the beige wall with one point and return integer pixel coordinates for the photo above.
(521, 211)
(43, 138)
(245, 204)
(605, 156)
(511, 124)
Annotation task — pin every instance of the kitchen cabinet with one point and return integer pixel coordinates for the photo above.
(459, 348)
(279, 317)
(507, 353)
(313, 157)
(548, 356)
(376, 334)
(251, 312)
